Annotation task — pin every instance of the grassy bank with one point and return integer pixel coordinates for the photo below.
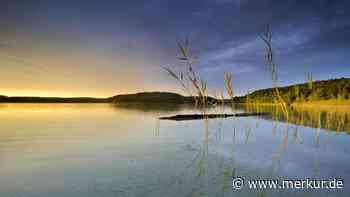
(329, 105)
(324, 104)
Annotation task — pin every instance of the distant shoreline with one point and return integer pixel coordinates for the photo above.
(185, 100)
(30, 99)
(333, 92)
(143, 97)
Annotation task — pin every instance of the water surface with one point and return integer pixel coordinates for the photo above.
(75, 150)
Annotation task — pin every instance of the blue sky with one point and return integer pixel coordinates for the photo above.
(102, 48)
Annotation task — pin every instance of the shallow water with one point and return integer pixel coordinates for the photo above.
(75, 150)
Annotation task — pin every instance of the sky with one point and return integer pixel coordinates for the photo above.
(104, 48)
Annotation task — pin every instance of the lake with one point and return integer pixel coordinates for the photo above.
(103, 150)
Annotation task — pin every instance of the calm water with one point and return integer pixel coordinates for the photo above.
(83, 150)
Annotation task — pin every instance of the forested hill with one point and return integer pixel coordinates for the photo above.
(316, 91)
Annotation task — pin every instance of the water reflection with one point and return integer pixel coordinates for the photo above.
(332, 118)
(216, 170)
(150, 107)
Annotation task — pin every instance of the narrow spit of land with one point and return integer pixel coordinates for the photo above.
(182, 117)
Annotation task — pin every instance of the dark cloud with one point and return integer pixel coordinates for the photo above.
(224, 32)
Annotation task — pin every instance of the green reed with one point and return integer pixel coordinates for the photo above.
(189, 78)
(267, 38)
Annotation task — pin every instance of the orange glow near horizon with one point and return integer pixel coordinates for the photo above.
(61, 69)
(40, 93)
(76, 93)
